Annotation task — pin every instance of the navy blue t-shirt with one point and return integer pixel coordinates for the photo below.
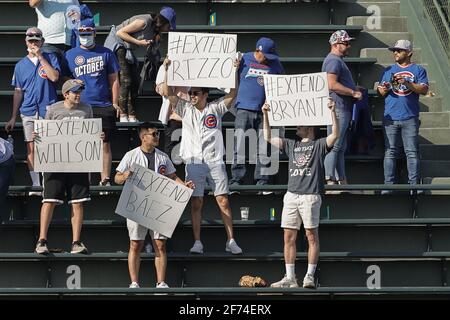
(93, 67)
(251, 95)
(336, 65)
(402, 103)
(38, 91)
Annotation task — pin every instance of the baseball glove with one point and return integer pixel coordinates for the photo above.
(251, 282)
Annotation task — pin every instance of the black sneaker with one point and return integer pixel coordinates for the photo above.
(78, 247)
(41, 247)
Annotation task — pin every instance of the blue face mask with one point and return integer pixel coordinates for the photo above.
(87, 41)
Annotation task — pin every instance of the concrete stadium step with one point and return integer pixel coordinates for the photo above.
(114, 12)
(283, 35)
(398, 236)
(376, 39)
(435, 168)
(435, 151)
(434, 135)
(219, 270)
(399, 205)
(388, 24)
(384, 56)
(429, 120)
(438, 181)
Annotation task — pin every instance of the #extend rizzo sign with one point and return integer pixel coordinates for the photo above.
(153, 200)
(72, 145)
(298, 100)
(201, 60)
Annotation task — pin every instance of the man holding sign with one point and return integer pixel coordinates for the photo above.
(250, 98)
(147, 156)
(57, 183)
(202, 150)
(303, 199)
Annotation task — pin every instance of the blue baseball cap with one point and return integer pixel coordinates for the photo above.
(267, 47)
(86, 27)
(170, 15)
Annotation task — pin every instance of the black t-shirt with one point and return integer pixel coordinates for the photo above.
(306, 165)
(151, 159)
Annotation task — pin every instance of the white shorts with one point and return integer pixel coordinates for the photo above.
(301, 207)
(137, 232)
(28, 126)
(215, 175)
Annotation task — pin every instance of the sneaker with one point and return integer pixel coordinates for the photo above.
(285, 283)
(308, 282)
(162, 285)
(104, 183)
(134, 285)
(264, 193)
(78, 247)
(197, 247)
(234, 184)
(132, 119)
(124, 119)
(41, 247)
(35, 193)
(232, 247)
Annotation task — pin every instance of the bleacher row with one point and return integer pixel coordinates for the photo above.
(406, 236)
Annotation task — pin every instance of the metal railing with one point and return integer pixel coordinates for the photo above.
(438, 13)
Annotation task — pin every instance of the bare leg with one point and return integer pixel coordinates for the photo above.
(160, 260)
(77, 220)
(314, 245)
(134, 259)
(46, 217)
(225, 211)
(107, 158)
(290, 246)
(196, 212)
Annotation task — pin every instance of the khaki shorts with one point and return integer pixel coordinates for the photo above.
(298, 208)
(28, 126)
(137, 232)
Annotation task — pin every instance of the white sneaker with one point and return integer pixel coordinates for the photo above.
(232, 247)
(134, 285)
(123, 119)
(162, 285)
(285, 283)
(132, 119)
(35, 193)
(308, 282)
(104, 183)
(197, 247)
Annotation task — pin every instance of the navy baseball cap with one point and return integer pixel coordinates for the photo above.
(86, 27)
(170, 15)
(267, 47)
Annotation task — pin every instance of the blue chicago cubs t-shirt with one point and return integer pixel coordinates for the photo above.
(38, 91)
(93, 67)
(402, 103)
(336, 65)
(251, 94)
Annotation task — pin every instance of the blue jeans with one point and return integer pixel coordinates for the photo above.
(408, 132)
(246, 119)
(6, 177)
(334, 161)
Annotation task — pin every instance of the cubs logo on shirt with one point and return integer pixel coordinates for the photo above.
(162, 169)
(79, 60)
(210, 121)
(42, 73)
(401, 89)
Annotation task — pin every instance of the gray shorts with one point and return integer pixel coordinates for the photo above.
(28, 126)
(298, 208)
(137, 232)
(215, 175)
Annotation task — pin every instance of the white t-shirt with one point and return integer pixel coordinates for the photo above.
(202, 132)
(163, 164)
(51, 16)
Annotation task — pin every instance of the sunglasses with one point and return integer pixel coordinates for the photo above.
(154, 134)
(34, 35)
(194, 93)
(87, 29)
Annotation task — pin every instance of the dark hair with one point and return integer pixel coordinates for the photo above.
(161, 20)
(205, 90)
(145, 126)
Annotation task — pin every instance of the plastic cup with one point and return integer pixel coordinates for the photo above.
(244, 213)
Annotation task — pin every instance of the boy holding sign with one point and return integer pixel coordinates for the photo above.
(148, 156)
(56, 183)
(303, 199)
